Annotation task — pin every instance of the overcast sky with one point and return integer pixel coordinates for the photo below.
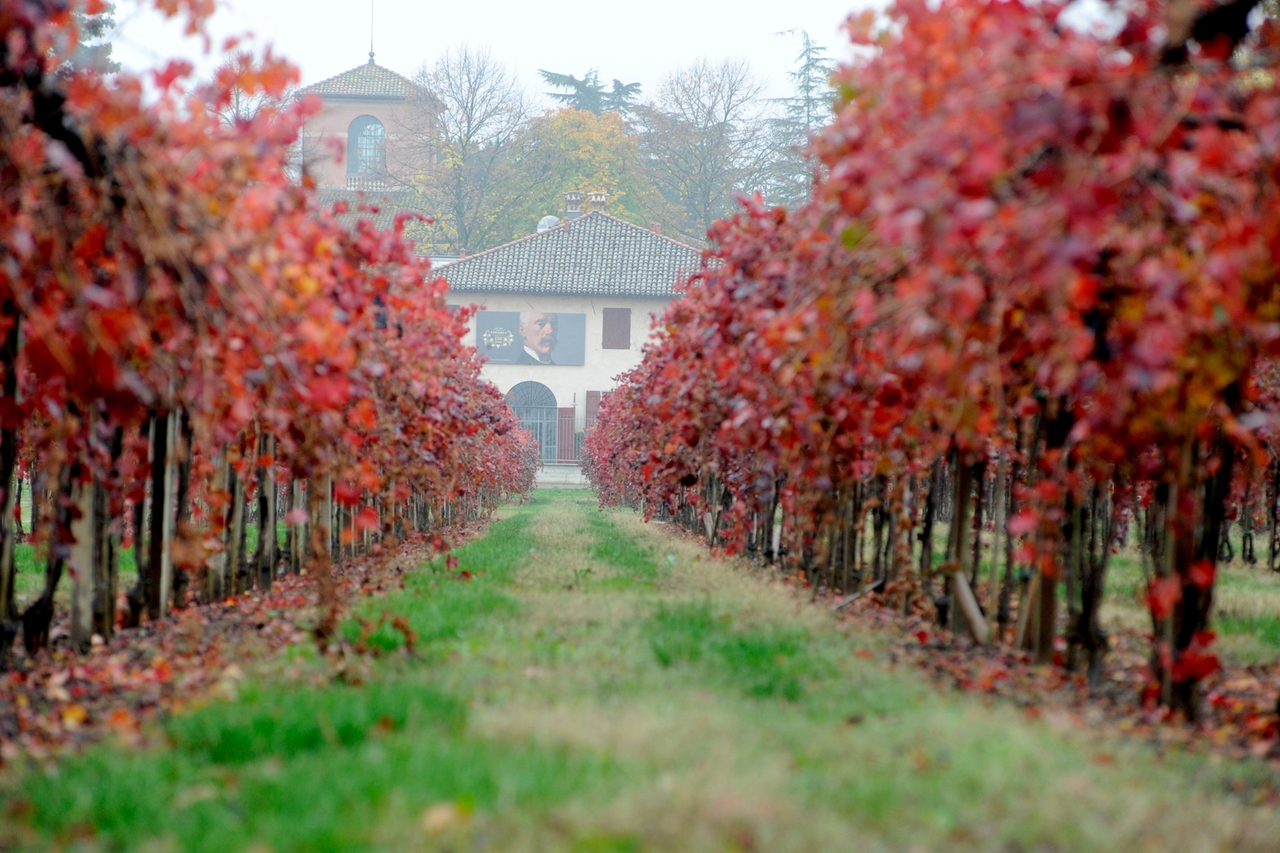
(632, 41)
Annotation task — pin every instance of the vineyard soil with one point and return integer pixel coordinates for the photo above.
(582, 681)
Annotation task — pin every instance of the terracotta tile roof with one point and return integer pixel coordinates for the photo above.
(368, 81)
(595, 255)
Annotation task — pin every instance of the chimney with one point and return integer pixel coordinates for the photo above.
(656, 228)
(572, 204)
(597, 201)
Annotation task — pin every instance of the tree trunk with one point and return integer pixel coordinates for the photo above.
(1027, 624)
(1047, 617)
(216, 582)
(1192, 613)
(159, 539)
(320, 567)
(1003, 615)
(297, 530)
(38, 616)
(268, 543)
(137, 596)
(8, 466)
(979, 490)
(235, 536)
(181, 451)
(1273, 514)
(1088, 627)
(926, 530)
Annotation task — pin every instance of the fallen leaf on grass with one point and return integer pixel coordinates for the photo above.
(441, 817)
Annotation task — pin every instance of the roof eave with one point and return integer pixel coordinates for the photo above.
(349, 97)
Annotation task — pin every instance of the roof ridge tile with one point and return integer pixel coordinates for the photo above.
(613, 258)
(368, 80)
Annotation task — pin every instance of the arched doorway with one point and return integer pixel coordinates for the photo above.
(535, 407)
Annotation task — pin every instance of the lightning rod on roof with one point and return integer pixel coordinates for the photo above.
(371, 5)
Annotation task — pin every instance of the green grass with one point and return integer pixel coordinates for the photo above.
(764, 662)
(633, 562)
(438, 603)
(1265, 629)
(29, 580)
(30, 561)
(599, 686)
(1246, 612)
(284, 725)
(301, 768)
(330, 796)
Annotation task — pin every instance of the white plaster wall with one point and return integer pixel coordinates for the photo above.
(570, 383)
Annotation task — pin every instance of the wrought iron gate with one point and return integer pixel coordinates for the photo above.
(535, 407)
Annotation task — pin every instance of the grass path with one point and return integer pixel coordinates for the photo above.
(599, 686)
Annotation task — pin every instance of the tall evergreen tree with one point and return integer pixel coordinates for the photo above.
(93, 52)
(808, 108)
(805, 111)
(589, 94)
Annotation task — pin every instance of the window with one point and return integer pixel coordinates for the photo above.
(366, 148)
(617, 328)
(593, 408)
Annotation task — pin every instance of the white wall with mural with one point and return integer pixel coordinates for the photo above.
(571, 346)
(592, 371)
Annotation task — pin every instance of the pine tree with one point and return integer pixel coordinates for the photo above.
(804, 112)
(94, 49)
(589, 94)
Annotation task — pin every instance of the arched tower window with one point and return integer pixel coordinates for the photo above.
(366, 150)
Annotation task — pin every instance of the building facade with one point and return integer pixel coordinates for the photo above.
(562, 312)
(371, 123)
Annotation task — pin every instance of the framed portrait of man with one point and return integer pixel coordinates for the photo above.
(544, 338)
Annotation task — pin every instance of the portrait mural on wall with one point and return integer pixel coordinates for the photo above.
(532, 337)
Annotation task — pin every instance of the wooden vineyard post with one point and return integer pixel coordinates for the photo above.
(159, 565)
(298, 530)
(327, 507)
(83, 564)
(167, 507)
(1000, 523)
(106, 564)
(319, 564)
(967, 607)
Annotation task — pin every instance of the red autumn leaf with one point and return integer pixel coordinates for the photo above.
(1202, 574)
(329, 391)
(1163, 594)
(171, 73)
(1194, 665)
(363, 416)
(367, 519)
(347, 494)
(1022, 522)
